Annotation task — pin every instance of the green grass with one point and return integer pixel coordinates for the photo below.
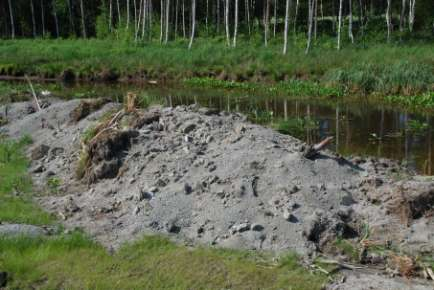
(386, 68)
(15, 186)
(74, 262)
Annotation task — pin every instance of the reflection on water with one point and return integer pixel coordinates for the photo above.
(358, 128)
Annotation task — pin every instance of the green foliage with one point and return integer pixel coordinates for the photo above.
(382, 68)
(347, 248)
(398, 77)
(153, 262)
(296, 127)
(417, 127)
(53, 184)
(423, 101)
(15, 186)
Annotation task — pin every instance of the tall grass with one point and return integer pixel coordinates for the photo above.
(382, 67)
(15, 186)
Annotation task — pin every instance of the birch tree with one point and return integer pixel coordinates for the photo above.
(266, 22)
(227, 23)
(56, 20)
(83, 20)
(167, 21)
(402, 15)
(43, 18)
(311, 4)
(389, 19)
(128, 14)
(340, 24)
(411, 14)
(32, 10)
(110, 15)
(193, 22)
(119, 13)
(161, 20)
(285, 35)
(350, 21)
(235, 24)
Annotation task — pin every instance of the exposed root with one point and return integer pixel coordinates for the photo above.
(85, 108)
(102, 155)
(405, 265)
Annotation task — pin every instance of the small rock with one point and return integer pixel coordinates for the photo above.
(240, 228)
(21, 230)
(172, 227)
(294, 189)
(187, 188)
(188, 139)
(189, 127)
(38, 169)
(145, 195)
(39, 152)
(257, 227)
(136, 210)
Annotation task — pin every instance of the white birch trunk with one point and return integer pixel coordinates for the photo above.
(193, 23)
(350, 20)
(183, 19)
(235, 24)
(402, 16)
(275, 18)
(295, 19)
(340, 24)
(310, 25)
(285, 35)
(139, 19)
(110, 15)
(266, 22)
(128, 14)
(227, 23)
(411, 14)
(389, 19)
(161, 20)
(119, 14)
(167, 21)
(83, 21)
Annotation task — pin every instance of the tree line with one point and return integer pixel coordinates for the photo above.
(166, 20)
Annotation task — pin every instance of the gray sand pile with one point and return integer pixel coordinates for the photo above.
(213, 178)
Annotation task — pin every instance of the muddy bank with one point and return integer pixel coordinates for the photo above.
(209, 177)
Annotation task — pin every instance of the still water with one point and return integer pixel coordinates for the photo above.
(359, 128)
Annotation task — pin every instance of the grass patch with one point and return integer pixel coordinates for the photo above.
(74, 262)
(15, 186)
(385, 68)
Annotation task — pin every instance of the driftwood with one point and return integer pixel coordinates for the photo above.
(313, 150)
(341, 265)
(38, 107)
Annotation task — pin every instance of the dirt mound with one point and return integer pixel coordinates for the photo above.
(210, 177)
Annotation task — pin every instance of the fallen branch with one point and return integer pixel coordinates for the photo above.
(342, 265)
(312, 151)
(38, 107)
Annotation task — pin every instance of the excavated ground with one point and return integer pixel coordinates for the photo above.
(209, 177)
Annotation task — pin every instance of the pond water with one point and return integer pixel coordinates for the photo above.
(358, 128)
